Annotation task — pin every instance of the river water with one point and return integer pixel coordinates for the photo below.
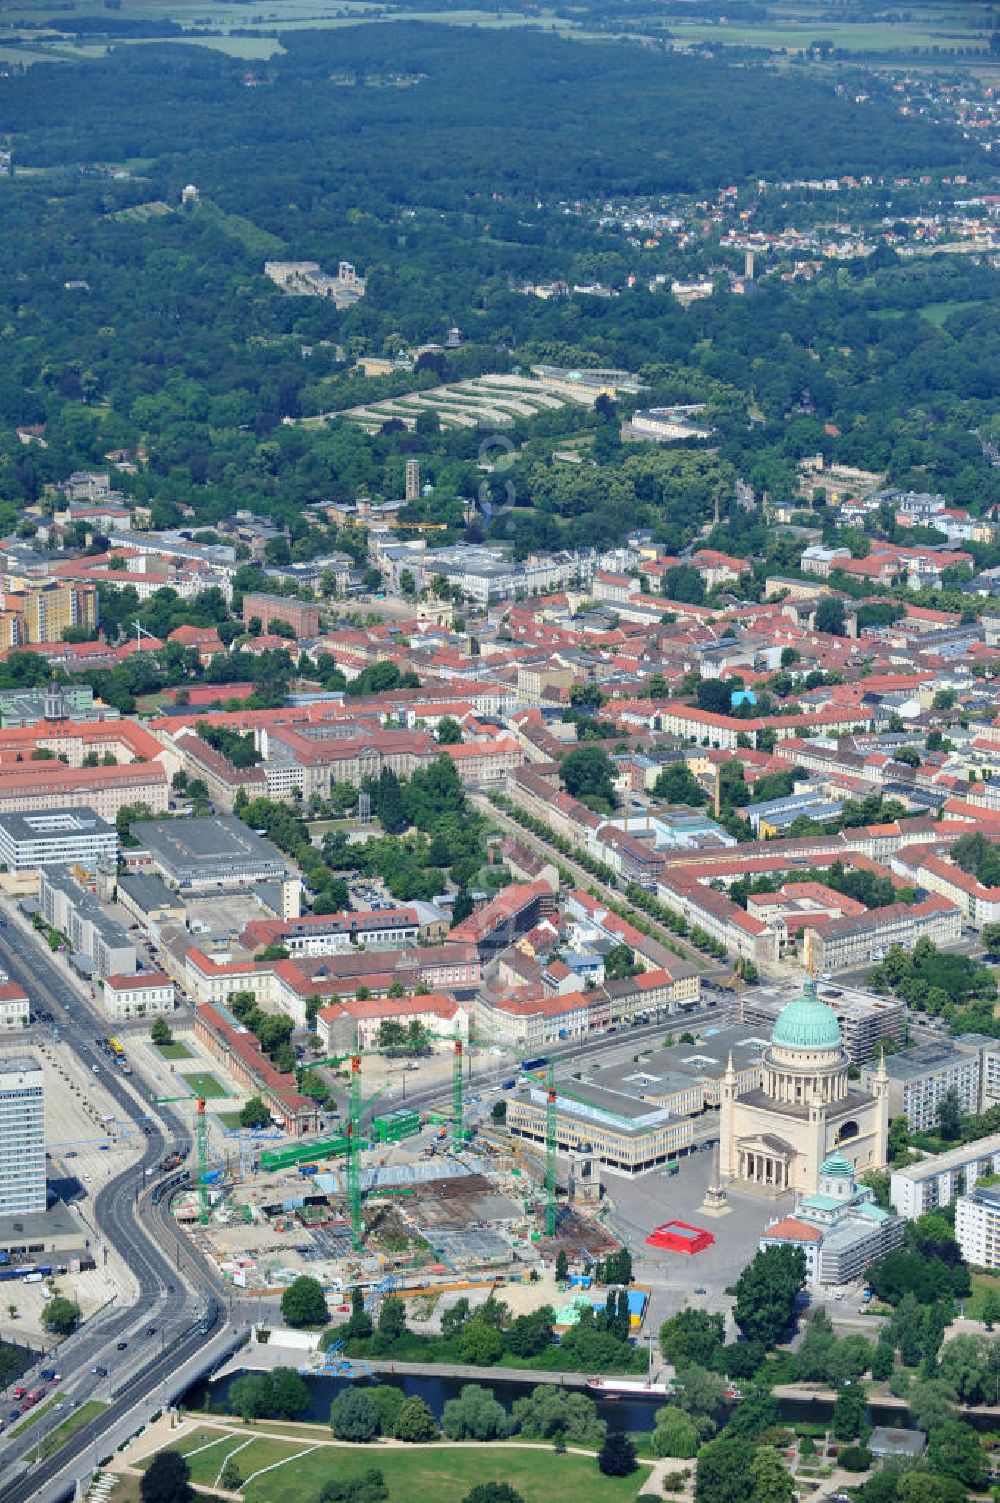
(632, 1413)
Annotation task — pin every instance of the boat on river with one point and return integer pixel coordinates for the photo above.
(628, 1388)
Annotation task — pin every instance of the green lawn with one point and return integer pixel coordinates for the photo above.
(982, 1283)
(432, 1474)
(176, 1050)
(426, 1474)
(230, 1119)
(206, 1466)
(76, 1421)
(937, 313)
(204, 1084)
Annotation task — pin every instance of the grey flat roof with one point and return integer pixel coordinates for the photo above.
(910, 1064)
(35, 826)
(57, 1221)
(20, 1064)
(954, 1158)
(706, 1059)
(184, 846)
(147, 891)
(625, 1113)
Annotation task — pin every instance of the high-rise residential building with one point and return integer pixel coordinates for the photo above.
(22, 1135)
(53, 606)
(41, 612)
(413, 480)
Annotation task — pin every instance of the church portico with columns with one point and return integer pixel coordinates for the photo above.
(775, 1138)
(765, 1161)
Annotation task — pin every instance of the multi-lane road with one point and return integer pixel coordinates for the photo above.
(177, 1314)
(179, 1319)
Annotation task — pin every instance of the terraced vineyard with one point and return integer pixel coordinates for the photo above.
(494, 401)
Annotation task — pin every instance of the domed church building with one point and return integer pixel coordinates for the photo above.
(777, 1137)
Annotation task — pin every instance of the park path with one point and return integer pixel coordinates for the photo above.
(170, 1428)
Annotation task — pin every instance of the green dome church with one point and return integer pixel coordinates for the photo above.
(806, 1118)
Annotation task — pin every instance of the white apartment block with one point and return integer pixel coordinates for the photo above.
(920, 1077)
(938, 1180)
(75, 912)
(56, 837)
(977, 1227)
(22, 1136)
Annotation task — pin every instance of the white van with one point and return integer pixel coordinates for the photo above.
(33, 1278)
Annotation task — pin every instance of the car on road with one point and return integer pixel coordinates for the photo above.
(122, 1346)
(701, 1291)
(150, 1330)
(99, 1372)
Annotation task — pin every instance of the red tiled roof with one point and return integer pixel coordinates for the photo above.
(794, 1230)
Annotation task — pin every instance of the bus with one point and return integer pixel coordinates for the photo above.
(538, 1063)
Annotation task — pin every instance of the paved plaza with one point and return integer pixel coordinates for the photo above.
(640, 1205)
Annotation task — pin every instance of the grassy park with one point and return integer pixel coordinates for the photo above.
(436, 1473)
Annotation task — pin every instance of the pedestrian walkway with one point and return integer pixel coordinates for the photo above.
(102, 1487)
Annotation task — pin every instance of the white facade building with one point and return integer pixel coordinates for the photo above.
(140, 996)
(56, 837)
(22, 1136)
(14, 1006)
(937, 1180)
(977, 1227)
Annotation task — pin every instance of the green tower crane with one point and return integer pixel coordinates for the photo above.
(457, 1106)
(353, 1165)
(550, 1155)
(201, 1139)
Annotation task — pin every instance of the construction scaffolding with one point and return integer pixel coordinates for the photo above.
(458, 1106)
(550, 1155)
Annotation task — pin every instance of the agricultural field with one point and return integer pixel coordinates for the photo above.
(945, 26)
(928, 31)
(257, 26)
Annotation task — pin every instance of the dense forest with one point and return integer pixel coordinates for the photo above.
(438, 160)
(439, 115)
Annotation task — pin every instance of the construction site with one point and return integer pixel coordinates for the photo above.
(416, 1197)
